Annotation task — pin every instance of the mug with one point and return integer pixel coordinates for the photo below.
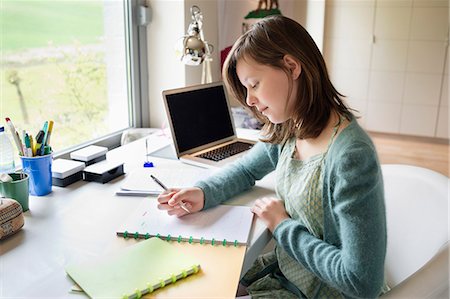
(16, 189)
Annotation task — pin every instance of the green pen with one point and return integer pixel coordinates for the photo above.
(47, 150)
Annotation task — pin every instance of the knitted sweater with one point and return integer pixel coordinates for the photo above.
(351, 255)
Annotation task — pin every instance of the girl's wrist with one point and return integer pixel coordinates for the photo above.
(276, 223)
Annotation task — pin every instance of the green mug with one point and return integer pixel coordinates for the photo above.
(16, 189)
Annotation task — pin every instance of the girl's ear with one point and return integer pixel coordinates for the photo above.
(293, 65)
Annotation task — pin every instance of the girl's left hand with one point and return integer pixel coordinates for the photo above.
(271, 210)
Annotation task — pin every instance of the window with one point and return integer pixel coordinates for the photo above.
(70, 62)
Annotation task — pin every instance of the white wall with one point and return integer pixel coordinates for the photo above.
(165, 71)
(311, 15)
(211, 33)
(170, 20)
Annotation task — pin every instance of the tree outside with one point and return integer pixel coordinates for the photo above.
(53, 68)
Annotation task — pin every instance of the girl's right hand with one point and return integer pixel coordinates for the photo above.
(170, 200)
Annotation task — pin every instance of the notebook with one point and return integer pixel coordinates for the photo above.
(139, 182)
(136, 270)
(222, 225)
(202, 128)
(221, 268)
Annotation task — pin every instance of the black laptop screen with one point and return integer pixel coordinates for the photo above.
(199, 117)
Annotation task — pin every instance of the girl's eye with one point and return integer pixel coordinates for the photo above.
(255, 85)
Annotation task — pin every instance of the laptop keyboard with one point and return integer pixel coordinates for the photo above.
(226, 151)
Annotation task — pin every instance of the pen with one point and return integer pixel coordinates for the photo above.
(15, 135)
(147, 163)
(182, 204)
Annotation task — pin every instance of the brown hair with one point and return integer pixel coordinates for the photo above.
(267, 42)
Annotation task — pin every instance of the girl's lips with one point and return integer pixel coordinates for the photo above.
(262, 111)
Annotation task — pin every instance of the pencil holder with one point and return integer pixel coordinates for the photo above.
(39, 170)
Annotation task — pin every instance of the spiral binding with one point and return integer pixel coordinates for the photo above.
(179, 239)
(150, 288)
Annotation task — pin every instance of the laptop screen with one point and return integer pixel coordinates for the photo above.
(199, 116)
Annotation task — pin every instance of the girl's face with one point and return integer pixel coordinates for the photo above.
(268, 89)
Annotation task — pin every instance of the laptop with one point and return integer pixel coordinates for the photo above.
(201, 124)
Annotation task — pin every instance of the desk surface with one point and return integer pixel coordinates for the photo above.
(79, 222)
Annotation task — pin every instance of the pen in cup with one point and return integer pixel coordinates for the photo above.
(182, 204)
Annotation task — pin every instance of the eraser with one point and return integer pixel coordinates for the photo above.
(89, 153)
(103, 172)
(66, 172)
(62, 168)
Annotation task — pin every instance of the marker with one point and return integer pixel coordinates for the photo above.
(44, 141)
(15, 135)
(50, 129)
(182, 204)
(39, 139)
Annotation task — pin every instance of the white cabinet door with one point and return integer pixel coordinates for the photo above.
(425, 69)
(388, 65)
(394, 77)
(383, 117)
(348, 48)
(418, 120)
(442, 130)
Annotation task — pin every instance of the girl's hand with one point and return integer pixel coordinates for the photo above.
(170, 200)
(271, 210)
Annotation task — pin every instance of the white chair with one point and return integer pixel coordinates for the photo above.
(417, 227)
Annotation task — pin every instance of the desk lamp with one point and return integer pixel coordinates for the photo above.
(195, 50)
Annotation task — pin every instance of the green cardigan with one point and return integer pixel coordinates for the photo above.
(351, 255)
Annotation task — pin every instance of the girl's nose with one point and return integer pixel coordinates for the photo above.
(250, 100)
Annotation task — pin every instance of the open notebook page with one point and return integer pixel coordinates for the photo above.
(229, 223)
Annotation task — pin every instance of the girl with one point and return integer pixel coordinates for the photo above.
(328, 219)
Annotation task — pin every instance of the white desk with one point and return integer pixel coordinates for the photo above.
(79, 222)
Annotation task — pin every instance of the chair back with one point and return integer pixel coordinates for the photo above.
(417, 218)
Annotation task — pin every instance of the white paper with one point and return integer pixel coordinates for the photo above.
(171, 177)
(224, 222)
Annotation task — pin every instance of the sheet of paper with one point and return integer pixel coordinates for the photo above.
(180, 177)
(223, 222)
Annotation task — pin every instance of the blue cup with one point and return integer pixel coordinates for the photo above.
(39, 170)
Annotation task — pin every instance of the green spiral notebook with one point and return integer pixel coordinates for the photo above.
(137, 270)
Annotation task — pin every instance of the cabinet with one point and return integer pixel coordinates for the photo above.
(388, 58)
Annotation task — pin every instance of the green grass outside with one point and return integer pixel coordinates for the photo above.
(36, 24)
(31, 24)
(46, 96)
